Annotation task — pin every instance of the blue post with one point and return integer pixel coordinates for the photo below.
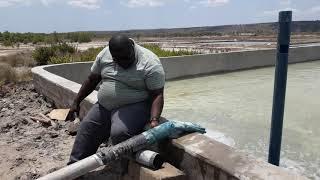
(280, 84)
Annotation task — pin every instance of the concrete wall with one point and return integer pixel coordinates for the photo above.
(200, 157)
(184, 66)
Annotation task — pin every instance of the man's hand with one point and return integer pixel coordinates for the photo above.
(75, 108)
(87, 87)
(153, 123)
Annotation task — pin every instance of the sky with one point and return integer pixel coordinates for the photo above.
(104, 15)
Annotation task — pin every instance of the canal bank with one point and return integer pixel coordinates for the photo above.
(60, 83)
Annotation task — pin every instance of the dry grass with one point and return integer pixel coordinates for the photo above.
(16, 68)
(18, 60)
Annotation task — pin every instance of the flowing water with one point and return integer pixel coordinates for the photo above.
(236, 109)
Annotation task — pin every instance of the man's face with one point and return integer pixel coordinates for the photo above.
(124, 57)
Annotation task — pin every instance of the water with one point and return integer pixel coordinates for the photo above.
(236, 108)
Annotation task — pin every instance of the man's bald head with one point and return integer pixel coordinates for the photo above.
(122, 50)
(119, 43)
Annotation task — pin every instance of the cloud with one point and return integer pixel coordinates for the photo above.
(7, 3)
(46, 2)
(214, 3)
(143, 3)
(285, 2)
(88, 4)
(276, 11)
(297, 14)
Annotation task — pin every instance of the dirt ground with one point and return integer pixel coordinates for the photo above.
(29, 149)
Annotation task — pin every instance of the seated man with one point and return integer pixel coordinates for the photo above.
(130, 96)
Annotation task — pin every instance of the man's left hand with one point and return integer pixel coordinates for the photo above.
(154, 123)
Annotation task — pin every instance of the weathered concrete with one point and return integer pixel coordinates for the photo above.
(184, 66)
(203, 158)
(198, 156)
(167, 172)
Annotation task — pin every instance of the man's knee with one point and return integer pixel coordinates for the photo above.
(119, 135)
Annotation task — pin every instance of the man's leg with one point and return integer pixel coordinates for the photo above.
(128, 121)
(93, 130)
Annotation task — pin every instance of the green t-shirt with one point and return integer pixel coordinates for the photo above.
(126, 86)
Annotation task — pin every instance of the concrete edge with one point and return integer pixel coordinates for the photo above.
(228, 160)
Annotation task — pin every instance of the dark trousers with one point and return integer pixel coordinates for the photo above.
(99, 124)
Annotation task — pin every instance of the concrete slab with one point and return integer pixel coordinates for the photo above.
(167, 172)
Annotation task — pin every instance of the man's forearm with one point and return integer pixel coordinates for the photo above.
(87, 87)
(157, 105)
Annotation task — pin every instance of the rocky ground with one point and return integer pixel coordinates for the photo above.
(29, 148)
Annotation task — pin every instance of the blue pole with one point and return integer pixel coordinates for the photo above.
(280, 84)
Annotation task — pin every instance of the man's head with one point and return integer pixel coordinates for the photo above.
(122, 50)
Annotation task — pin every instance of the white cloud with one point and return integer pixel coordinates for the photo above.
(88, 4)
(276, 11)
(142, 3)
(297, 14)
(285, 2)
(214, 3)
(7, 3)
(46, 2)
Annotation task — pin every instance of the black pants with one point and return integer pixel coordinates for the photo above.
(100, 124)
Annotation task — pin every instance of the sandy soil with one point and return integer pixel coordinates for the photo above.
(29, 149)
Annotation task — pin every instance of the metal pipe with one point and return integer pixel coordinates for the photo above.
(149, 158)
(76, 169)
(105, 156)
(280, 83)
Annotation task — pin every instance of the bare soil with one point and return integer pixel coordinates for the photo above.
(29, 149)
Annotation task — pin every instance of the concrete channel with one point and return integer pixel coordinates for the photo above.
(198, 156)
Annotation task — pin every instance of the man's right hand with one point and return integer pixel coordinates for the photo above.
(74, 109)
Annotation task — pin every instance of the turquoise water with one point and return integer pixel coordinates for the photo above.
(236, 108)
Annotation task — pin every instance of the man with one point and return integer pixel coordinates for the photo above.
(130, 96)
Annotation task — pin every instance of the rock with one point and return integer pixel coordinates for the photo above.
(4, 109)
(59, 114)
(11, 106)
(54, 135)
(73, 127)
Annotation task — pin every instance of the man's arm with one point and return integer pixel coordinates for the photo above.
(157, 102)
(87, 87)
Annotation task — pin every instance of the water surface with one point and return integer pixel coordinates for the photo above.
(236, 108)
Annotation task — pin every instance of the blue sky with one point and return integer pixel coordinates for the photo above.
(85, 15)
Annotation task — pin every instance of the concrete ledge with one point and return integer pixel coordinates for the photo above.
(167, 172)
(203, 158)
(188, 66)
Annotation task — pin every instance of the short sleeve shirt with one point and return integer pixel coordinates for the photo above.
(126, 86)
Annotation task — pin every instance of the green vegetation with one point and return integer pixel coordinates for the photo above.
(80, 37)
(14, 39)
(64, 53)
(165, 53)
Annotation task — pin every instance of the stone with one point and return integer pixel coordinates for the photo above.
(59, 114)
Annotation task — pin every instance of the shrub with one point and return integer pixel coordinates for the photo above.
(43, 54)
(7, 74)
(61, 59)
(90, 54)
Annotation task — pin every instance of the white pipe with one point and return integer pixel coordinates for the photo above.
(149, 158)
(76, 169)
